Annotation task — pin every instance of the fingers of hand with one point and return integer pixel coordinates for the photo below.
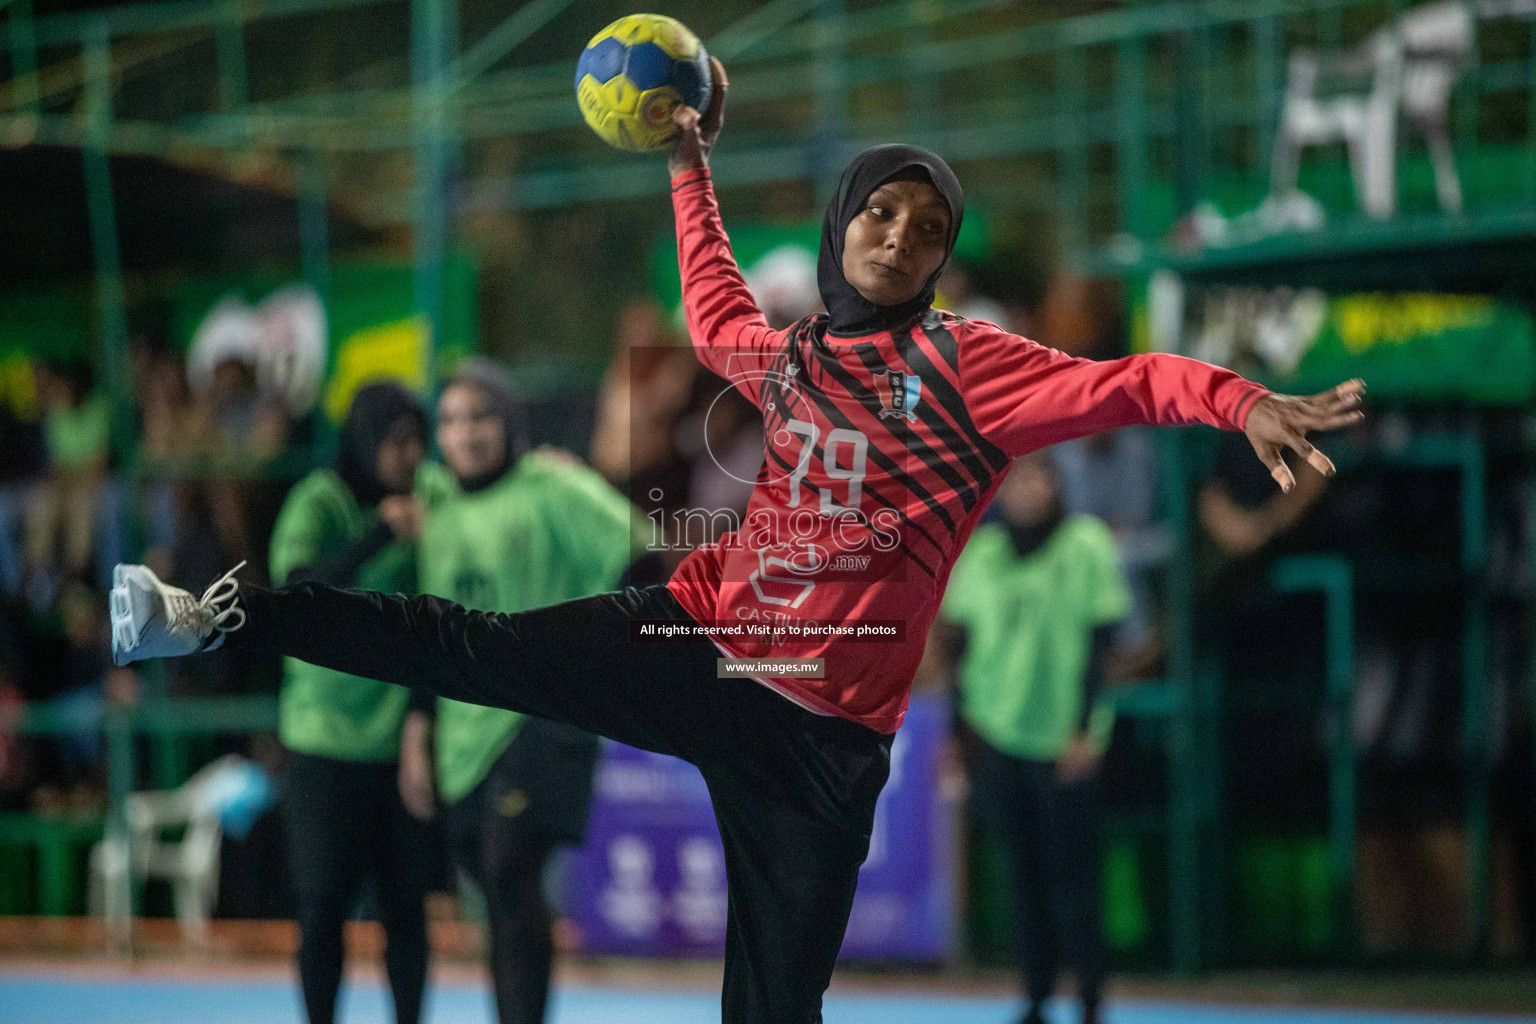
(718, 86)
(1311, 417)
(1328, 411)
(1322, 463)
(1293, 436)
(1350, 389)
(1327, 404)
(1346, 396)
(1334, 421)
(1316, 459)
(1332, 402)
(686, 117)
(1269, 454)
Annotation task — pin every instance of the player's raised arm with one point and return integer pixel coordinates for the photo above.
(1024, 396)
(722, 316)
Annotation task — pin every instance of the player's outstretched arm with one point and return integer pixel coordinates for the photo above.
(1023, 396)
(1277, 422)
(723, 319)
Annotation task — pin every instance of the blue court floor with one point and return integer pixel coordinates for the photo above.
(60, 998)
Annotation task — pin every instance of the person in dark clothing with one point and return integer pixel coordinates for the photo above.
(1248, 629)
(889, 425)
(1030, 611)
(355, 526)
(524, 530)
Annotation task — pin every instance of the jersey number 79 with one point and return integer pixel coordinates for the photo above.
(853, 472)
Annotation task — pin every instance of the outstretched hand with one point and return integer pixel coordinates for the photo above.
(696, 134)
(1277, 422)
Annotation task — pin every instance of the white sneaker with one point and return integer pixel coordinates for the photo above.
(152, 620)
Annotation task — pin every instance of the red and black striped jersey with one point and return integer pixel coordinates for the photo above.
(882, 452)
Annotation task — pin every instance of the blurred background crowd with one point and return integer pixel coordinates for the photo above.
(210, 466)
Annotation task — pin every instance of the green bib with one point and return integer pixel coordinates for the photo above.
(1029, 623)
(549, 531)
(76, 436)
(322, 711)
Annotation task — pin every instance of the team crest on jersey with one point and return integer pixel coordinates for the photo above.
(899, 394)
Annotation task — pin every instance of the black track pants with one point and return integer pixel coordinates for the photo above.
(536, 795)
(345, 824)
(794, 792)
(1050, 835)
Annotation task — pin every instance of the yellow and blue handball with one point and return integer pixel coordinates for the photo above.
(634, 73)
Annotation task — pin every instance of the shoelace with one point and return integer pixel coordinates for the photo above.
(198, 613)
(220, 591)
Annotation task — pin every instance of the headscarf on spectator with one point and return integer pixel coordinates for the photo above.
(375, 410)
(495, 383)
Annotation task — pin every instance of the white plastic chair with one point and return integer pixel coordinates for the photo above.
(1408, 68)
(190, 864)
(1318, 112)
(1437, 44)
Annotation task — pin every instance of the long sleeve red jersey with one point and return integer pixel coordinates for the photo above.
(882, 452)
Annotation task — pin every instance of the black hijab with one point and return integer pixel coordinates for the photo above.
(376, 408)
(849, 313)
(1029, 538)
(496, 384)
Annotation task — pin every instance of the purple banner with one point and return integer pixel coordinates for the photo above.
(650, 880)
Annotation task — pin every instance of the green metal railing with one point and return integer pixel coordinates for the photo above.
(1333, 578)
(1129, 116)
(1197, 684)
(1179, 97)
(166, 723)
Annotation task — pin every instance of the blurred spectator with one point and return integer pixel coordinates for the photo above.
(958, 293)
(77, 422)
(212, 474)
(521, 531)
(1252, 634)
(1082, 316)
(169, 421)
(644, 393)
(355, 525)
(1113, 476)
(1028, 616)
(23, 452)
(23, 458)
(167, 446)
(724, 442)
(241, 430)
(783, 283)
(1243, 512)
(13, 769)
(243, 426)
(80, 686)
